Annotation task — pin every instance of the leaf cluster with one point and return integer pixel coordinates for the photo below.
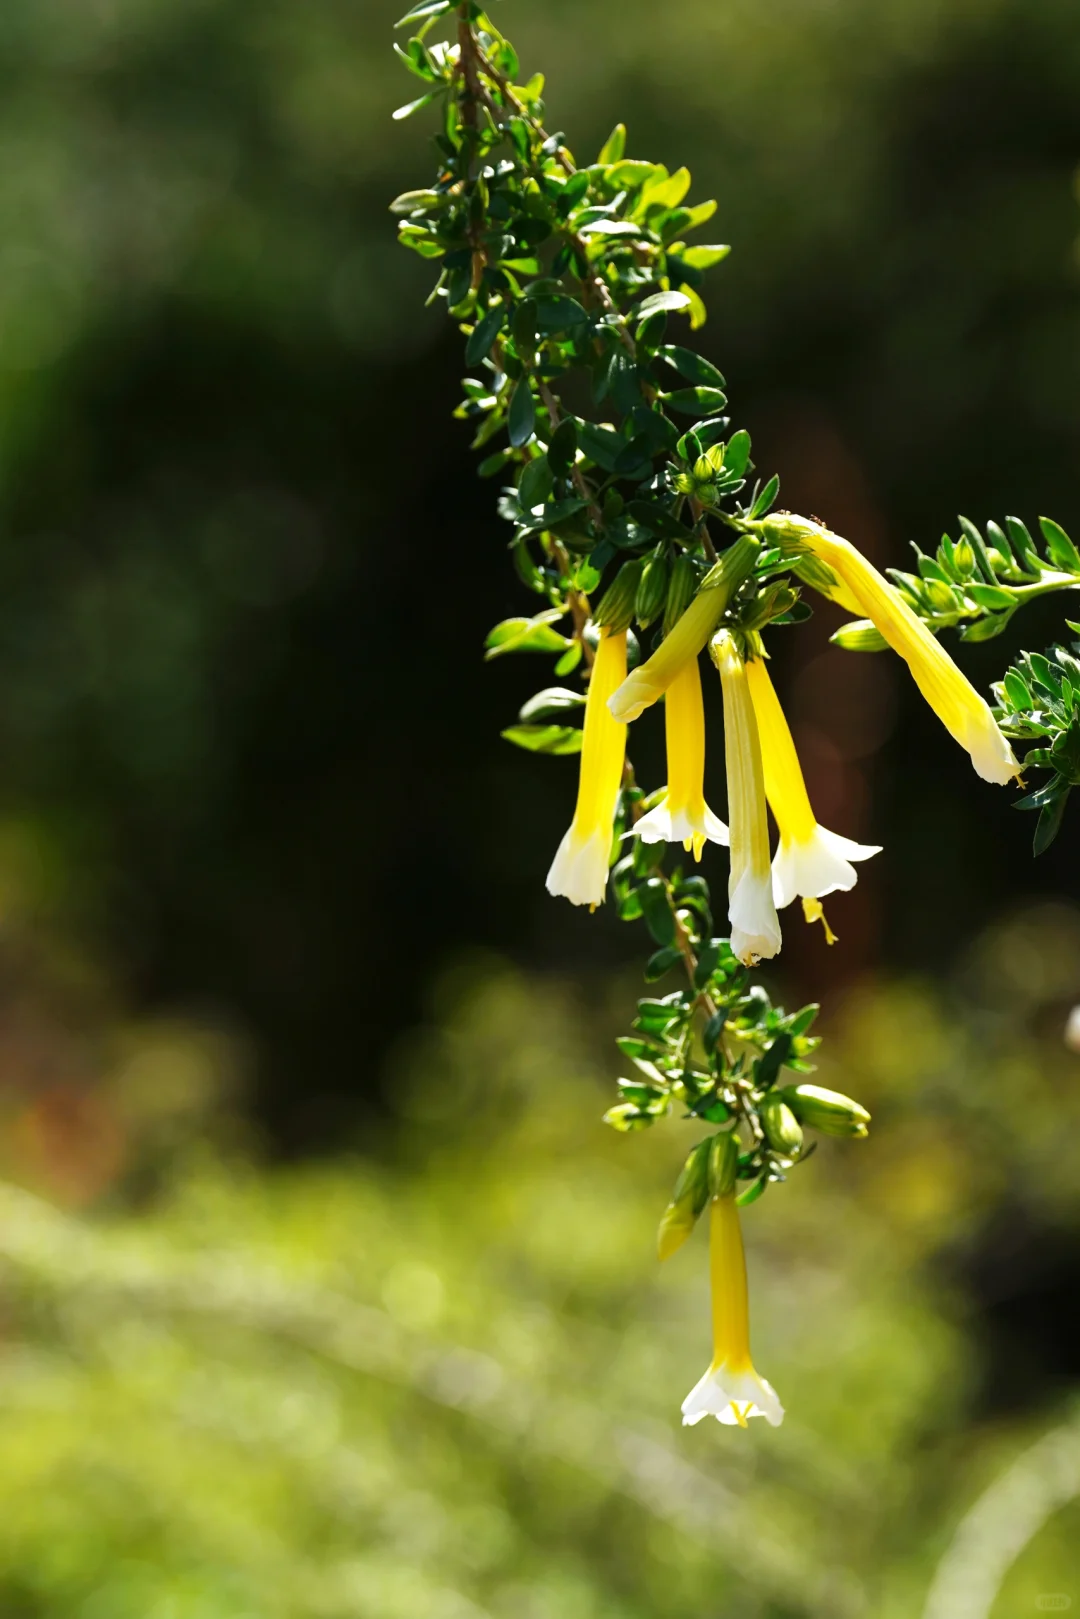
(977, 582)
(716, 1048)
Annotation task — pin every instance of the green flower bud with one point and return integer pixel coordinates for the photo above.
(616, 607)
(827, 1111)
(964, 558)
(681, 590)
(782, 1128)
(723, 1163)
(689, 1197)
(939, 595)
(652, 589)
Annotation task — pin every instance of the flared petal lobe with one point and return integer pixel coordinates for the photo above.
(810, 861)
(755, 927)
(964, 714)
(731, 1390)
(580, 868)
(682, 816)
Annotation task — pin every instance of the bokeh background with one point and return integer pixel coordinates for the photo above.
(323, 1290)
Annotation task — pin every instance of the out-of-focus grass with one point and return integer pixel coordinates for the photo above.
(450, 1388)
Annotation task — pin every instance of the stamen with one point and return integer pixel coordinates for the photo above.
(739, 1418)
(814, 911)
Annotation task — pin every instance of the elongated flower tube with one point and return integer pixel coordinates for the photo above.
(689, 636)
(755, 927)
(580, 868)
(964, 714)
(811, 861)
(682, 816)
(731, 1389)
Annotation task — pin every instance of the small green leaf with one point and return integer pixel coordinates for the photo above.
(737, 454)
(552, 700)
(557, 739)
(521, 421)
(985, 629)
(425, 10)
(1049, 823)
(695, 401)
(1060, 549)
(563, 447)
(414, 106)
(570, 659)
(484, 334)
(534, 485)
(1016, 689)
(766, 497)
(559, 314)
(992, 597)
(753, 1191)
(662, 962)
(662, 301)
(614, 147)
(703, 258)
(659, 917)
(526, 635)
(694, 367)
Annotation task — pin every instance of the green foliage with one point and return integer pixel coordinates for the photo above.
(977, 582)
(564, 279)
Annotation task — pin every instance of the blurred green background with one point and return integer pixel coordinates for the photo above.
(324, 1292)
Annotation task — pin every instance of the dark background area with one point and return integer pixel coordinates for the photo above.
(246, 568)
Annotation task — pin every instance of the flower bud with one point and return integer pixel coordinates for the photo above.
(939, 595)
(782, 1128)
(964, 558)
(827, 1111)
(616, 607)
(652, 589)
(723, 1163)
(689, 1197)
(684, 579)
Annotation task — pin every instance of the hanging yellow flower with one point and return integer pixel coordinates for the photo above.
(755, 927)
(682, 816)
(964, 714)
(580, 868)
(731, 1390)
(811, 861)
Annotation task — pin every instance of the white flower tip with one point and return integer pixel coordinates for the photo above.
(579, 871)
(993, 758)
(656, 826)
(819, 866)
(731, 1397)
(755, 926)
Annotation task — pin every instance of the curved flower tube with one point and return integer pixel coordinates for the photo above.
(580, 868)
(682, 816)
(731, 1390)
(964, 714)
(755, 927)
(811, 861)
(688, 636)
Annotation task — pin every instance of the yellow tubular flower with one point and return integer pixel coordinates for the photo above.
(731, 1390)
(580, 868)
(811, 861)
(964, 714)
(755, 927)
(682, 816)
(689, 635)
